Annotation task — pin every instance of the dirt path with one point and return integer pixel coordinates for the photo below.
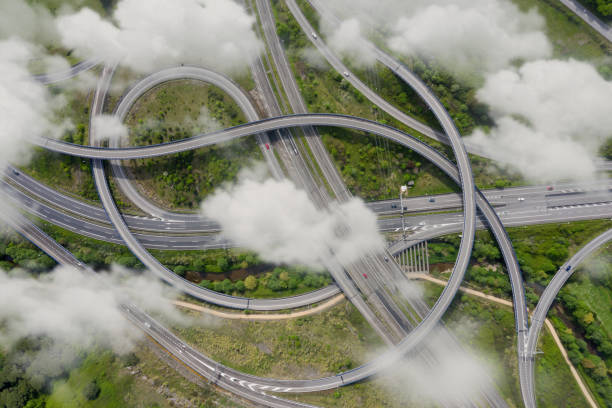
(262, 316)
(549, 326)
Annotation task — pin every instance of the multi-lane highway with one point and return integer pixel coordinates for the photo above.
(569, 199)
(92, 221)
(526, 364)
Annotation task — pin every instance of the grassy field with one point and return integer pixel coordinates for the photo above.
(303, 347)
(174, 111)
(393, 166)
(570, 36)
(554, 384)
(145, 380)
(339, 339)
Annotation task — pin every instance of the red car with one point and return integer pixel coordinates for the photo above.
(550, 188)
(267, 146)
(365, 275)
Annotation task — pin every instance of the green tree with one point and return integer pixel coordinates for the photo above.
(180, 270)
(91, 391)
(250, 283)
(223, 264)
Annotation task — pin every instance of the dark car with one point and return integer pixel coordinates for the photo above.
(568, 268)
(393, 205)
(432, 200)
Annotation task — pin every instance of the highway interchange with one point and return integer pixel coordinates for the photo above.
(538, 206)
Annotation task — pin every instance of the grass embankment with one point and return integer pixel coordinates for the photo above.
(174, 111)
(583, 308)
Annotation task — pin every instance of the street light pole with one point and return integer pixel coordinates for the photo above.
(403, 189)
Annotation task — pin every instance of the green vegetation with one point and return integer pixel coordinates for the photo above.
(555, 386)
(540, 249)
(569, 35)
(334, 340)
(281, 281)
(584, 317)
(586, 301)
(16, 251)
(339, 339)
(174, 111)
(232, 271)
(603, 8)
(606, 149)
(393, 165)
(296, 348)
(371, 167)
(99, 378)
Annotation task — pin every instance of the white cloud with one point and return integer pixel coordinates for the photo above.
(71, 307)
(551, 117)
(463, 35)
(315, 59)
(479, 35)
(74, 311)
(279, 222)
(109, 127)
(26, 106)
(31, 22)
(154, 33)
(439, 372)
(347, 39)
(205, 122)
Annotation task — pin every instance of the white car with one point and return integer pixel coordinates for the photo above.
(521, 198)
(346, 74)
(314, 35)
